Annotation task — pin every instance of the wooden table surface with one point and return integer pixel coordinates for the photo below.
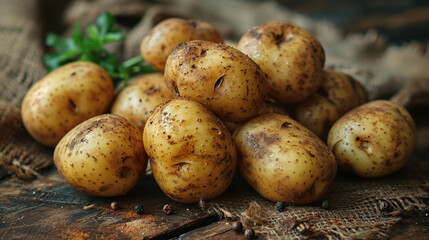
(51, 209)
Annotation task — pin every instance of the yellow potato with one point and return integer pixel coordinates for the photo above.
(64, 98)
(373, 140)
(292, 58)
(268, 106)
(283, 161)
(165, 36)
(103, 156)
(136, 101)
(218, 76)
(338, 94)
(191, 152)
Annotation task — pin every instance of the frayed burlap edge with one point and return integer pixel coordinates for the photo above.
(20, 155)
(356, 211)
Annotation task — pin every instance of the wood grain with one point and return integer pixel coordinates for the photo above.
(51, 209)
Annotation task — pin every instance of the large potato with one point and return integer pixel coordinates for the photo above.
(165, 36)
(283, 161)
(292, 58)
(373, 140)
(338, 94)
(191, 152)
(64, 98)
(136, 101)
(218, 76)
(103, 156)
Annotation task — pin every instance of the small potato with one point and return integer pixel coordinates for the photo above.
(268, 106)
(165, 36)
(338, 94)
(190, 150)
(136, 101)
(218, 76)
(64, 98)
(292, 58)
(373, 140)
(272, 107)
(103, 156)
(283, 161)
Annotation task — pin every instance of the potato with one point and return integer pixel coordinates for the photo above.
(103, 156)
(283, 161)
(292, 58)
(268, 106)
(338, 94)
(136, 101)
(64, 98)
(190, 150)
(165, 36)
(218, 76)
(373, 140)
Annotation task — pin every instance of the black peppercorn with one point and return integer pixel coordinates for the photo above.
(325, 204)
(114, 205)
(249, 233)
(139, 209)
(280, 206)
(167, 209)
(237, 226)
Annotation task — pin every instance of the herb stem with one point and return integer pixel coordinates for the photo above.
(132, 61)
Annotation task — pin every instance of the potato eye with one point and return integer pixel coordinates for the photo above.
(286, 124)
(219, 82)
(279, 38)
(73, 104)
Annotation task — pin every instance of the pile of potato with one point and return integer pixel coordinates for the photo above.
(216, 107)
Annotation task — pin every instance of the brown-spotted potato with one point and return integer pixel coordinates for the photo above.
(103, 156)
(191, 152)
(136, 100)
(338, 94)
(218, 76)
(373, 140)
(166, 35)
(292, 58)
(284, 161)
(64, 98)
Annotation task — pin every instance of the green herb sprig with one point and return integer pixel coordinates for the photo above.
(91, 48)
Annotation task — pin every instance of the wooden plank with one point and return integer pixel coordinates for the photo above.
(51, 209)
(413, 225)
(215, 231)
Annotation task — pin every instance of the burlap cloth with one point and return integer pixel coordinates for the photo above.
(356, 205)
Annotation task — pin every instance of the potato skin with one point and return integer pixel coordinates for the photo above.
(292, 58)
(190, 150)
(165, 36)
(338, 94)
(136, 101)
(283, 161)
(218, 76)
(373, 140)
(64, 98)
(103, 156)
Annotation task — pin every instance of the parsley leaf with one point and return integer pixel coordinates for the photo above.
(91, 48)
